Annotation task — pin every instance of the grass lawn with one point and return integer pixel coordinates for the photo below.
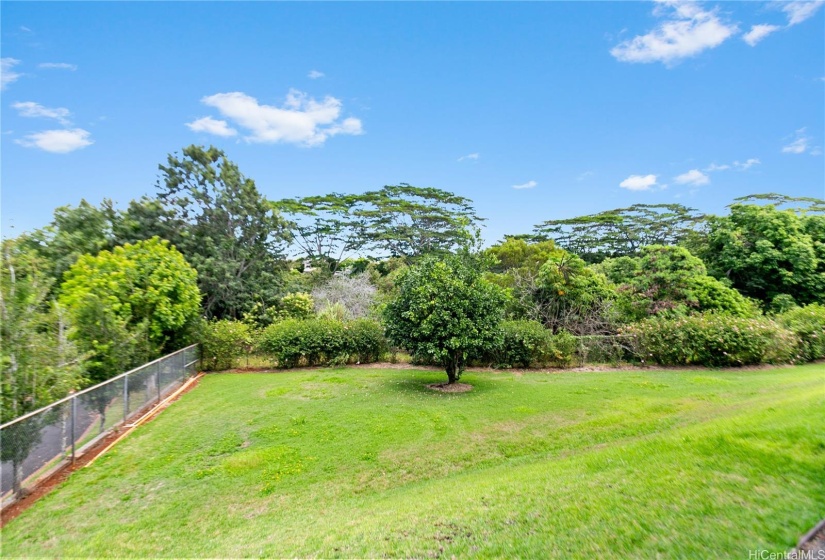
(370, 463)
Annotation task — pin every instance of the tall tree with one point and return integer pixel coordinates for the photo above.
(407, 221)
(84, 229)
(621, 232)
(765, 252)
(233, 236)
(325, 228)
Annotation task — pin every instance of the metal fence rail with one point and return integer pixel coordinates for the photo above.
(36, 444)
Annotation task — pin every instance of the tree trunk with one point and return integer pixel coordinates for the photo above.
(451, 373)
(453, 368)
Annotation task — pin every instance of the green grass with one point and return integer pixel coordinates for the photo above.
(370, 463)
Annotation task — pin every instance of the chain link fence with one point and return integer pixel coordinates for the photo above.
(36, 444)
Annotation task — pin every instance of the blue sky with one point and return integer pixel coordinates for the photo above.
(533, 110)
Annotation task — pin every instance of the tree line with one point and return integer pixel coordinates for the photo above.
(101, 289)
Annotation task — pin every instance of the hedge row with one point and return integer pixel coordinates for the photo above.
(798, 335)
(711, 340)
(315, 342)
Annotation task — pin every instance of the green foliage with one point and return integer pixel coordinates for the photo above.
(621, 232)
(298, 305)
(325, 228)
(808, 323)
(228, 231)
(294, 342)
(223, 342)
(445, 311)
(528, 344)
(782, 303)
(765, 252)
(315, 342)
(516, 253)
(397, 220)
(671, 281)
(710, 339)
(38, 362)
(73, 232)
(409, 222)
(130, 304)
(523, 343)
(569, 295)
(146, 281)
(364, 341)
(335, 311)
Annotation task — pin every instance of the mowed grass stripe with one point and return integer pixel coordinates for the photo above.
(370, 463)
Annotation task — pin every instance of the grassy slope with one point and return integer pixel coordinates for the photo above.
(369, 463)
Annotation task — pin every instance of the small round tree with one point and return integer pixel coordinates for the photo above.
(445, 310)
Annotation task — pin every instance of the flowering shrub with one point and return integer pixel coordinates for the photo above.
(713, 340)
(807, 323)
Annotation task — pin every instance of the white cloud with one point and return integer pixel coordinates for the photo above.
(57, 66)
(527, 185)
(315, 74)
(759, 32)
(747, 164)
(688, 31)
(800, 144)
(740, 165)
(32, 109)
(714, 167)
(7, 75)
(800, 11)
(585, 175)
(212, 126)
(473, 156)
(692, 177)
(301, 120)
(58, 141)
(639, 183)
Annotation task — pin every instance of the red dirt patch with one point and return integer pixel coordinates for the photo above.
(450, 387)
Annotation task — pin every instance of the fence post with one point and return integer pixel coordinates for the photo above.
(157, 379)
(74, 414)
(125, 397)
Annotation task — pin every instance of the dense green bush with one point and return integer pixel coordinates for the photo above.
(710, 339)
(223, 342)
(564, 346)
(315, 342)
(528, 344)
(298, 305)
(808, 324)
(522, 344)
(446, 312)
(364, 340)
